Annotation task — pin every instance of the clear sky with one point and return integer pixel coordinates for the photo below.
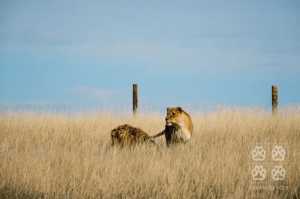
(196, 54)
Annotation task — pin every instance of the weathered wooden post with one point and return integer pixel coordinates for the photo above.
(274, 99)
(134, 98)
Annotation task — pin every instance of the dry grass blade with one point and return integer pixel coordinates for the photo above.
(53, 156)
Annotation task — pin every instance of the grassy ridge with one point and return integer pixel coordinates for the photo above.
(55, 156)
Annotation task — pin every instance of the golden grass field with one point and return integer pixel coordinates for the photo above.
(60, 156)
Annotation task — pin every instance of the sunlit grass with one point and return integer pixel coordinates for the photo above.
(57, 156)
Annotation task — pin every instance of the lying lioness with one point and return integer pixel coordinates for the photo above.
(126, 135)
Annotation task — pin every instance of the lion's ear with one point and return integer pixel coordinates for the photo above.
(179, 109)
(168, 109)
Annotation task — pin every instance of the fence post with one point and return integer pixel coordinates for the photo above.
(274, 99)
(134, 98)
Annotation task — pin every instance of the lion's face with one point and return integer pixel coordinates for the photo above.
(174, 115)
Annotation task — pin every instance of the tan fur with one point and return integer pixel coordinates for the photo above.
(126, 135)
(178, 128)
(176, 115)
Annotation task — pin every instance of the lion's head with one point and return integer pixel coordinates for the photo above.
(177, 116)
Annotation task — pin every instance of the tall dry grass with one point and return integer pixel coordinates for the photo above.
(56, 156)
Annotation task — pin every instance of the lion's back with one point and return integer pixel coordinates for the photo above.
(128, 135)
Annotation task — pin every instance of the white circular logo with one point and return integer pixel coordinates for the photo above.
(278, 173)
(259, 173)
(258, 153)
(278, 153)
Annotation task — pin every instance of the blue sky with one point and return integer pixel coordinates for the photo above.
(196, 54)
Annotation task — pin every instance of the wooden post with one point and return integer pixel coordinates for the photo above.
(274, 99)
(134, 98)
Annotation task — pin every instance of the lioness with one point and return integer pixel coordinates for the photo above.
(179, 126)
(126, 135)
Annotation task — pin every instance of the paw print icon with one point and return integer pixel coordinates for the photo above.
(278, 153)
(278, 173)
(258, 153)
(259, 173)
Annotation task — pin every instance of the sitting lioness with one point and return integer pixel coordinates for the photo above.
(126, 135)
(179, 126)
